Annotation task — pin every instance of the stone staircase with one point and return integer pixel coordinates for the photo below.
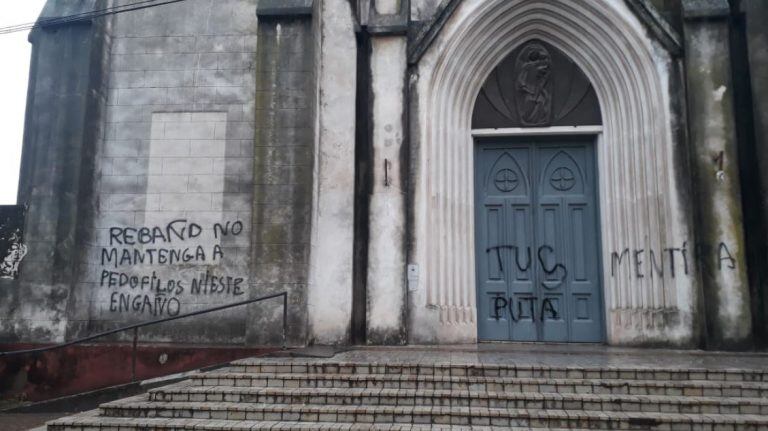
(302, 394)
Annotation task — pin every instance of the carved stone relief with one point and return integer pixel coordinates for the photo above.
(533, 97)
(536, 86)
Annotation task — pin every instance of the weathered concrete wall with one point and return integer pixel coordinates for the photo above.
(387, 7)
(756, 15)
(424, 10)
(757, 39)
(671, 10)
(175, 174)
(64, 120)
(282, 191)
(386, 252)
(330, 286)
(164, 201)
(720, 247)
(159, 197)
(200, 153)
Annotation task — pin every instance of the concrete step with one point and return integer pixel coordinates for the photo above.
(262, 365)
(464, 416)
(300, 394)
(443, 398)
(489, 384)
(90, 421)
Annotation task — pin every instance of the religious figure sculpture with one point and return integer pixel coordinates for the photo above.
(534, 87)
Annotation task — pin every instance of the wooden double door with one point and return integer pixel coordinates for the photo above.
(537, 240)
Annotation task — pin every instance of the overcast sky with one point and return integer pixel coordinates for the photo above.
(14, 74)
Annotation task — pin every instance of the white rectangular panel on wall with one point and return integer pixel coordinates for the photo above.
(172, 246)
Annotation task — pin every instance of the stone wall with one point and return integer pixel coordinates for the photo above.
(159, 212)
(202, 153)
(424, 10)
(64, 122)
(282, 160)
(714, 160)
(172, 231)
(329, 299)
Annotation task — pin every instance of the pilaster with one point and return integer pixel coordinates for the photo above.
(714, 155)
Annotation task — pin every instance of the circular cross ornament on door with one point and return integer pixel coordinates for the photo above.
(562, 179)
(506, 180)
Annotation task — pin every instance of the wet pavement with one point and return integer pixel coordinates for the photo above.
(557, 355)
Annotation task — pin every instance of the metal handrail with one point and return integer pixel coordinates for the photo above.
(136, 327)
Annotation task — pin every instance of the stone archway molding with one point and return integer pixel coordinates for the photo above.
(640, 202)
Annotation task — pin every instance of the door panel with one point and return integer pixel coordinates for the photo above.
(551, 271)
(505, 220)
(536, 242)
(493, 283)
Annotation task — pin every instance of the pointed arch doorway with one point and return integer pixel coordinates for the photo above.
(536, 194)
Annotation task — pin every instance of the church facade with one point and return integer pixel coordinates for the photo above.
(409, 172)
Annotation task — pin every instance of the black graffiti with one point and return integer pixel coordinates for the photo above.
(217, 253)
(151, 245)
(723, 254)
(524, 267)
(670, 258)
(501, 303)
(638, 259)
(616, 259)
(112, 279)
(210, 284)
(553, 269)
(635, 257)
(155, 256)
(657, 267)
(180, 230)
(547, 305)
(516, 249)
(155, 305)
(226, 229)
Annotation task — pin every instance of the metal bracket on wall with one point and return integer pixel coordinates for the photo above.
(387, 165)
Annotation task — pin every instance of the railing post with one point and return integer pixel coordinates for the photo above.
(133, 355)
(285, 318)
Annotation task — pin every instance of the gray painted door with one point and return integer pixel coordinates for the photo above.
(537, 241)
